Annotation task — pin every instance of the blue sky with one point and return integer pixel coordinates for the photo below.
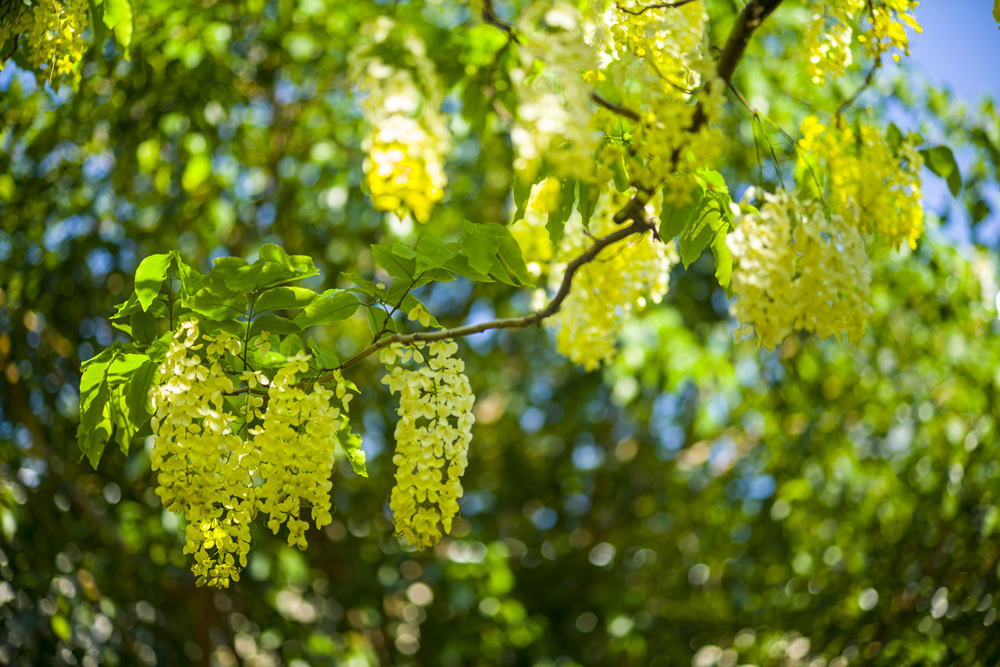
(960, 50)
(960, 46)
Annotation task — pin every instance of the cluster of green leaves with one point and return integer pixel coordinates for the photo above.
(240, 298)
(253, 302)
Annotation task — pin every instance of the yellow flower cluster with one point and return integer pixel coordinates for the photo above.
(608, 289)
(205, 470)
(432, 437)
(218, 480)
(409, 139)
(796, 268)
(828, 35)
(296, 447)
(886, 32)
(51, 33)
(667, 40)
(555, 120)
(658, 53)
(867, 182)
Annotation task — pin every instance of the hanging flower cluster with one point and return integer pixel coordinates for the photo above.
(52, 34)
(296, 447)
(867, 181)
(828, 34)
(218, 480)
(796, 268)
(554, 114)
(607, 290)
(658, 54)
(409, 139)
(432, 437)
(205, 469)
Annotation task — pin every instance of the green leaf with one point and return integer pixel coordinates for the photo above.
(941, 161)
(701, 224)
(510, 255)
(323, 356)
(433, 253)
(351, 443)
(143, 326)
(379, 321)
(216, 304)
(122, 367)
(557, 219)
(723, 260)
(894, 136)
(123, 30)
(480, 244)
(586, 202)
(331, 306)
(275, 324)
(137, 396)
(277, 266)
(284, 298)
(365, 286)
(97, 25)
(94, 430)
(521, 192)
(236, 273)
(673, 221)
(149, 278)
(620, 176)
(395, 261)
(115, 11)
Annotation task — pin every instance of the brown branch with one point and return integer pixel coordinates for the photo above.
(739, 38)
(490, 16)
(638, 227)
(868, 81)
(661, 5)
(736, 45)
(614, 108)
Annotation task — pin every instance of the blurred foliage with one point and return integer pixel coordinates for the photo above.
(699, 501)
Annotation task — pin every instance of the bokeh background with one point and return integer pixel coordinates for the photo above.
(697, 502)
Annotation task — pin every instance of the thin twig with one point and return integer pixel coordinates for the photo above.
(747, 22)
(868, 81)
(614, 108)
(661, 5)
(490, 16)
(637, 227)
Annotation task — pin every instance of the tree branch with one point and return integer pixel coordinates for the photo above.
(614, 108)
(736, 45)
(868, 81)
(490, 16)
(739, 38)
(662, 5)
(637, 227)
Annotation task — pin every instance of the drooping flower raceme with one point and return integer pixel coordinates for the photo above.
(296, 447)
(205, 470)
(868, 182)
(52, 33)
(607, 290)
(829, 33)
(219, 480)
(657, 57)
(432, 437)
(794, 267)
(554, 109)
(409, 138)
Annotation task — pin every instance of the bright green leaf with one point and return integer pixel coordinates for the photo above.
(149, 278)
